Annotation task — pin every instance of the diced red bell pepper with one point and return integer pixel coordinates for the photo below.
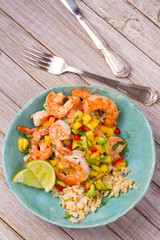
(83, 128)
(69, 146)
(117, 131)
(77, 136)
(59, 187)
(93, 149)
(86, 185)
(117, 161)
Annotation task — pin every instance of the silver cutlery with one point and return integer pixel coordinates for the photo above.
(117, 65)
(57, 65)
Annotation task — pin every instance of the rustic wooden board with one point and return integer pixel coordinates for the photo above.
(10, 27)
(7, 232)
(130, 23)
(150, 8)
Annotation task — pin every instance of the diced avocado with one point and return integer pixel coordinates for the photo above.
(106, 159)
(104, 186)
(85, 143)
(100, 140)
(108, 186)
(76, 145)
(61, 183)
(103, 148)
(22, 144)
(78, 116)
(91, 191)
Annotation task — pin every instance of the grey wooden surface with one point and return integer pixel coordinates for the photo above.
(131, 28)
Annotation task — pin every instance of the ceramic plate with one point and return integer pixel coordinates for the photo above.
(135, 129)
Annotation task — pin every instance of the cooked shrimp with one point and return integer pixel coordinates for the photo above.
(55, 104)
(25, 130)
(81, 93)
(120, 147)
(40, 117)
(77, 106)
(60, 131)
(39, 149)
(103, 103)
(77, 162)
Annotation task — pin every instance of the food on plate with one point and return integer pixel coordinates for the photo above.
(75, 151)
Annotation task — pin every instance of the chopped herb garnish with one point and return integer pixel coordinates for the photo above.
(68, 215)
(74, 157)
(117, 144)
(60, 205)
(76, 148)
(54, 146)
(67, 200)
(91, 168)
(66, 120)
(89, 147)
(75, 131)
(76, 117)
(29, 136)
(64, 173)
(79, 162)
(21, 134)
(105, 202)
(35, 143)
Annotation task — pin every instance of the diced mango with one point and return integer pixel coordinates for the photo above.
(87, 153)
(107, 147)
(67, 142)
(103, 128)
(71, 136)
(99, 175)
(93, 173)
(78, 116)
(76, 125)
(98, 186)
(97, 163)
(104, 168)
(47, 139)
(51, 121)
(90, 135)
(86, 118)
(106, 159)
(60, 166)
(93, 123)
(95, 156)
(68, 171)
(99, 148)
(90, 126)
(96, 119)
(110, 132)
(53, 163)
(22, 144)
(61, 155)
(121, 164)
(97, 169)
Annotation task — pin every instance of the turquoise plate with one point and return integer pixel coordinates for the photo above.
(135, 129)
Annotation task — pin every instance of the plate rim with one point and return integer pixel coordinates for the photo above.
(70, 224)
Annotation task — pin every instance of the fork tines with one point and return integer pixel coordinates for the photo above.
(36, 58)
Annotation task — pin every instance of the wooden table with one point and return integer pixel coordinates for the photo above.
(131, 28)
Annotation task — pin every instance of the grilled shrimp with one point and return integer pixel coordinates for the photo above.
(103, 103)
(39, 149)
(59, 131)
(77, 162)
(40, 117)
(25, 130)
(115, 153)
(81, 93)
(77, 106)
(55, 104)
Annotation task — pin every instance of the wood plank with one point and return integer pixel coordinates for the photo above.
(17, 215)
(156, 176)
(150, 8)
(1, 142)
(10, 36)
(131, 24)
(7, 232)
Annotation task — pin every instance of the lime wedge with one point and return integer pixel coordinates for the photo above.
(27, 177)
(44, 173)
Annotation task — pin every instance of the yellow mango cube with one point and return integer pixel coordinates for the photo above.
(47, 139)
(106, 146)
(95, 156)
(99, 148)
(22, 144)
(78, 116)
(121, 164)
(86, 118)
(51, 121)
(104, 168)
(53, 163)
(99, 175)
(96, 119)
(60, 166)
(103, 128)
(90, 135)
(110, 132)
(93, 173)
(76, 125)
(97, 169)
(98, 186)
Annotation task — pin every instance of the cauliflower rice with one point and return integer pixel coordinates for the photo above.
(74, 199)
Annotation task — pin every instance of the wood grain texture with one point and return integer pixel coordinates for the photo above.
(8, 45)
(131, 24)
(150, 8)
(7, 232)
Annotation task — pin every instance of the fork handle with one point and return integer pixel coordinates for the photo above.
(145, 95)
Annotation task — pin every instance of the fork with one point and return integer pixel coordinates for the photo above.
(57, 65)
